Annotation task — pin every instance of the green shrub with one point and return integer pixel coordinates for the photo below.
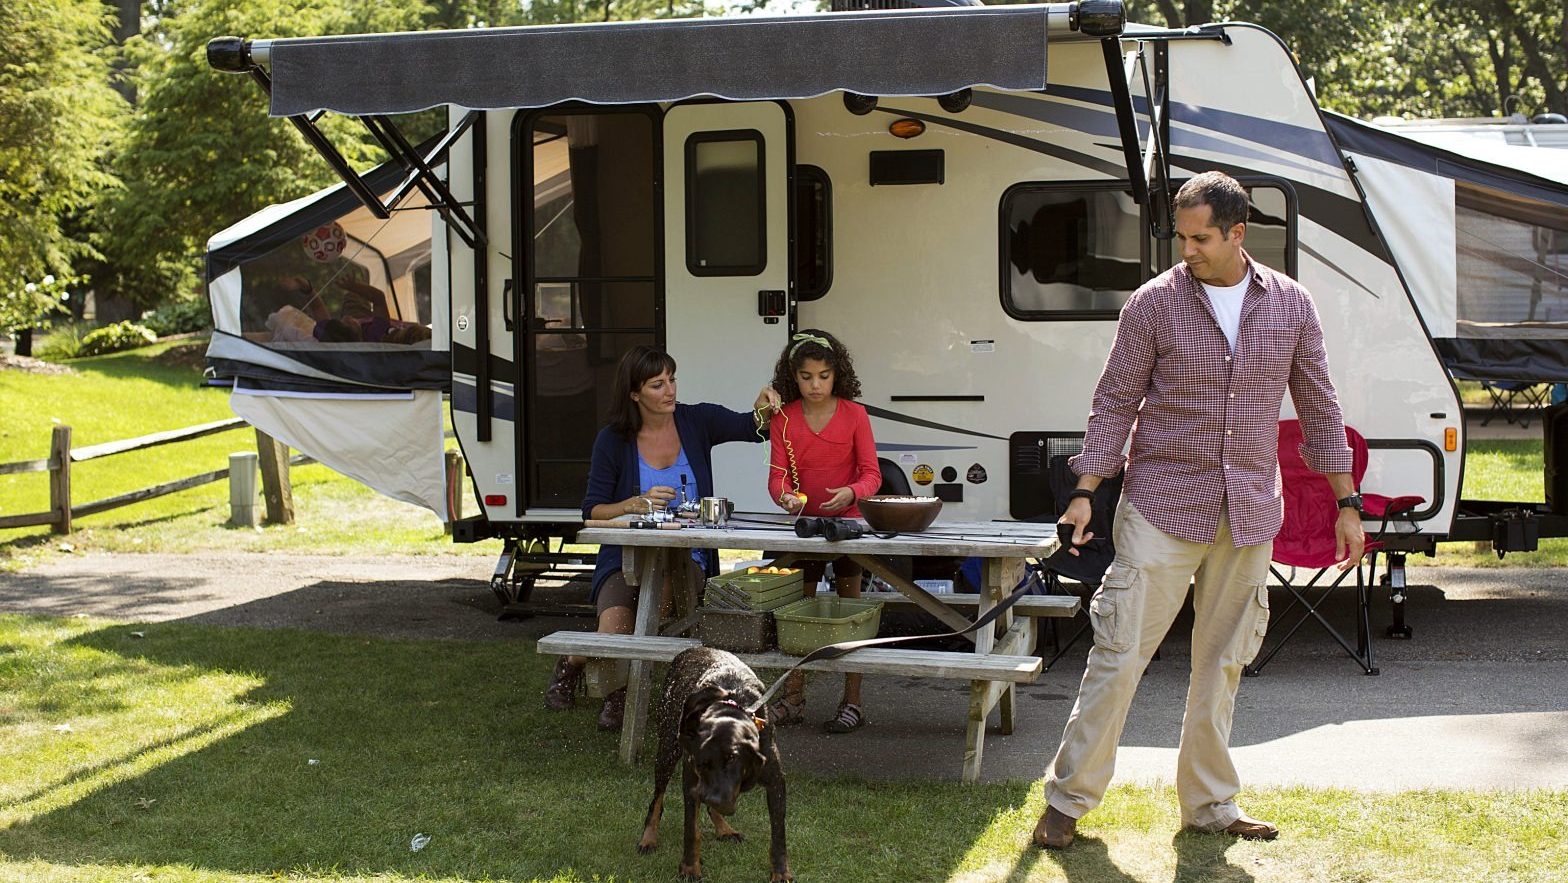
(179, 317)
(63, 341)
(119, 336)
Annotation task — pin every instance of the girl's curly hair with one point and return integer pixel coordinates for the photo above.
(814, 343)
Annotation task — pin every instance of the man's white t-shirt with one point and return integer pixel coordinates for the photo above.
(1227, 305)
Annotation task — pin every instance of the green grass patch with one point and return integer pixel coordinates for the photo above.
(177, 752)
(155, 389)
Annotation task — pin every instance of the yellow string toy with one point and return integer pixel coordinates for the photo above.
(793, 472)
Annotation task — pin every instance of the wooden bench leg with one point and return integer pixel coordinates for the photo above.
(974, 739)
(652, 567)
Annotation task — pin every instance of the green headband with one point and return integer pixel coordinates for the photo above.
(803, 338)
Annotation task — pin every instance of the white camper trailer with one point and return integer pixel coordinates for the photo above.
(964, 195)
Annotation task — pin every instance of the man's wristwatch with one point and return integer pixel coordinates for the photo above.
(1351, 502)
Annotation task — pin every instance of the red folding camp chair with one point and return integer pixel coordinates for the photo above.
(1306, 540)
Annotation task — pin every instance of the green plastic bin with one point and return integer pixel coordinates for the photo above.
(811, 623)
(756, 591)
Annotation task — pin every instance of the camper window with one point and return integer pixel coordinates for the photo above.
(813, 233)
(725, 204)
(1070, 251)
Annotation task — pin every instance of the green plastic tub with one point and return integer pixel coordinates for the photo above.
(811, 623)
(738, 631)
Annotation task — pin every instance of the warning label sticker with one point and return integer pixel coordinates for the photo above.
(923, 474)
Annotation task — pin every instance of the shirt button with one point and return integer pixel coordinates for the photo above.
(1227, 465)
(1232, 395)
(1227, 432)
(1227, 358)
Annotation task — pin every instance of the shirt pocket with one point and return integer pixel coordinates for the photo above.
(1113, 610)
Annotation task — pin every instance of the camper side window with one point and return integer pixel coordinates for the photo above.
(813, 233)
(1070, 251)
(725, 204)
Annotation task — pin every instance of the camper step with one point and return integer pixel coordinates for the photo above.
(872, 660)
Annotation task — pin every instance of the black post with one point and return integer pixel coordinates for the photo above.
(24, 342)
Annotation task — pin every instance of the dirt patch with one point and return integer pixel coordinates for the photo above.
(32, 365)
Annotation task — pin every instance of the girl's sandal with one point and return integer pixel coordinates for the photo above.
(788, 712)
(849, 719)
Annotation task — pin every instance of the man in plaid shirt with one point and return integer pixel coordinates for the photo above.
(1203, 356)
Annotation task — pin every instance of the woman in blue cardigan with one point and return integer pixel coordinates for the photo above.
(652, 451)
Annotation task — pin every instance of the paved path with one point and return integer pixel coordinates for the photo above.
(1479, 699)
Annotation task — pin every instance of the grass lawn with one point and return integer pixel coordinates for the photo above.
(177, 752)
(155, 389)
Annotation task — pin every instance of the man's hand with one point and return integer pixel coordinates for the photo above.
(841, 499)
(1078, 513)
(1350, 541)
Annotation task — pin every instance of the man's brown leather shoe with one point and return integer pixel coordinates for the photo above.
(1248, 828)
(1055, 830)
(565, 683)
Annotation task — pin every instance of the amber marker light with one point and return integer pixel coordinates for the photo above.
(906, 128)
(1451, 439)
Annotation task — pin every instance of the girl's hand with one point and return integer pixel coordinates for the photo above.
(790, 502)
(842, 498)
(768, 399)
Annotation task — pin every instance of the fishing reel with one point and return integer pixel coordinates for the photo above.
(831, 529)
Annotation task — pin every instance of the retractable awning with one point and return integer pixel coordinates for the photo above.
(931, 51)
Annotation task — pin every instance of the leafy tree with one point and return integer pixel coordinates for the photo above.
(58, 116)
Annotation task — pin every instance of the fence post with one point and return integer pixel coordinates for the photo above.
(243, 511)
(275, 484)
(60, 479)
(454, 490)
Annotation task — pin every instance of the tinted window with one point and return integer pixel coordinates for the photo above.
(725, 204)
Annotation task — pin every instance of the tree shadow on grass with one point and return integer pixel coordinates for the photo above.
(370, 742)
(1201, 858)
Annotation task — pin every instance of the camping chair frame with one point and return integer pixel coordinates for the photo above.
(1506, 393)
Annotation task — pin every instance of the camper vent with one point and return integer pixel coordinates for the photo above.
(856, 5)
(1029, 484)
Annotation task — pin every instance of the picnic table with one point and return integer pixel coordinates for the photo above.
(1002, 656)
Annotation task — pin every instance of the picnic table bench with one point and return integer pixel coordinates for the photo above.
(1002, 655)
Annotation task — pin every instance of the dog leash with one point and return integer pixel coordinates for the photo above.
(844, 648)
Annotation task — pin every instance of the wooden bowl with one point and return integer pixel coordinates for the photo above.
(899, 514)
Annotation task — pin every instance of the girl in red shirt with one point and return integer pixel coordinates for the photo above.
(824, 461)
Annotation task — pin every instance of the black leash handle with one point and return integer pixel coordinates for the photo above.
(844, 648)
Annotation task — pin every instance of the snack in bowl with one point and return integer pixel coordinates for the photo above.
(899, 514)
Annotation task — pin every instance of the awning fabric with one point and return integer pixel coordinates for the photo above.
(882, 52)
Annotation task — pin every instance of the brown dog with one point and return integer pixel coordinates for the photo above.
(703, 722)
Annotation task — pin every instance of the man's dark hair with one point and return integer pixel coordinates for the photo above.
(1226, 199)
(638, 366)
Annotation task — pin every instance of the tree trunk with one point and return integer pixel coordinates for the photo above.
(1198, 12)
(128, 23)
(24, 342)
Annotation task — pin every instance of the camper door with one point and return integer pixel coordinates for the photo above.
(727, 265)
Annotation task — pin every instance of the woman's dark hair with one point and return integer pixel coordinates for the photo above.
(814, 343)
(638, 366)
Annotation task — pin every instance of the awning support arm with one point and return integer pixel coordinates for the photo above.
(232, 54)
(1157, 160)
(1126, 123)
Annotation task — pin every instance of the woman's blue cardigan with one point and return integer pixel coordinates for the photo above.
(613, 474)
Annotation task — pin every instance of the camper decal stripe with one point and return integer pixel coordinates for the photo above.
(1315, 254)
(1109, 169)
(465, 360)
(1330, 210)
(896, 446)
(466, 399)
(896, 417)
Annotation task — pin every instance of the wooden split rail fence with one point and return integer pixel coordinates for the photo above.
(273, 456)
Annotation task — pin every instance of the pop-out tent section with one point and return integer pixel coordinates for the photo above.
(1480, 231)
(325, 325)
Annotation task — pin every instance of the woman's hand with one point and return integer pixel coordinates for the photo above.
(653, 499)
(842, 498)
(767, 399)
(791, 503)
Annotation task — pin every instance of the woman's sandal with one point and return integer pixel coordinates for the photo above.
(850, 718)
(788, 712)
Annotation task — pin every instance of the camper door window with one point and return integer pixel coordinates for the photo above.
(725, 204)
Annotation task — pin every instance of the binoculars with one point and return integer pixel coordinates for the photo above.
(830, 529)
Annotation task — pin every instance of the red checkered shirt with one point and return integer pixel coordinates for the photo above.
(1204, 421)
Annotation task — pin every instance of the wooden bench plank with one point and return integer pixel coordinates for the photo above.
(872, 660)
(1028, 605)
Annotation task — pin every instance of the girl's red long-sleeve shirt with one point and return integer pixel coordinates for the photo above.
(843, 454)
